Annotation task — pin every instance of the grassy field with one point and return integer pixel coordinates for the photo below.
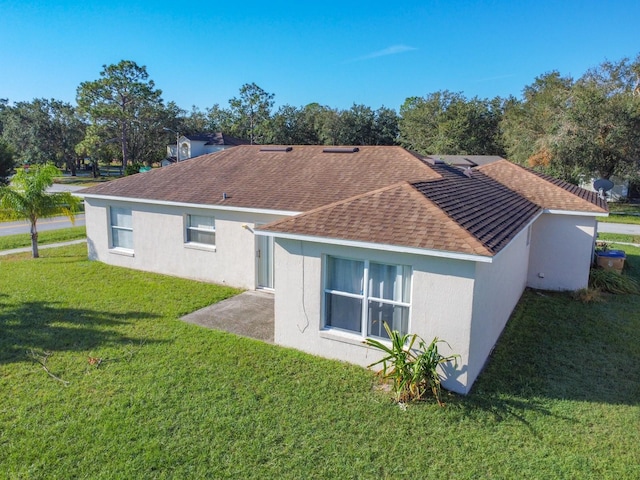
(623, 207)
(622, 213)
(619, 237)
(81, 180)
(620, 218)
(10, 242)
(148, 396)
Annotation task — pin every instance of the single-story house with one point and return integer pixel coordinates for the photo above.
(200, 144)
(623, 189)
(350, 237)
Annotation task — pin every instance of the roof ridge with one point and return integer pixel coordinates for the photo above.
(340, 202)
(473, 243)
(549, 182)
(476, 219)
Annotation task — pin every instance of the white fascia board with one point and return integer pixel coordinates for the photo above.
(579, 214)
(379, 246)
(189, 205)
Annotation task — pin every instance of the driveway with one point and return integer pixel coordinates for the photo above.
(249, 314)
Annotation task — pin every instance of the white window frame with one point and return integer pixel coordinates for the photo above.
(189, 228)
(364, 296)
(113, 227)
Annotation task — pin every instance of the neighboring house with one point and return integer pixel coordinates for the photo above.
(350, 237)
(201, 144)
(622, 189)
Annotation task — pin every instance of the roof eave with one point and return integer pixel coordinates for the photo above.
(582, 213)
(378, 246)
(204, 206)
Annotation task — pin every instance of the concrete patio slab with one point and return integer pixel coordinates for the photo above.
(249, 314)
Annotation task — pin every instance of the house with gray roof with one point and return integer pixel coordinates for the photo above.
(348, 238)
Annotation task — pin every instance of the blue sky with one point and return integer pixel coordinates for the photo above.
(336, 53)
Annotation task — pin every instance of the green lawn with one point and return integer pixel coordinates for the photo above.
(622, 213)
(10, 242)
(624, 207)
(559, 398)
(619, 237)
(620, 218)
(80, 181)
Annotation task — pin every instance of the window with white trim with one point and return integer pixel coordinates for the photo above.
(360, 295)
(121, 223)
(201, 229)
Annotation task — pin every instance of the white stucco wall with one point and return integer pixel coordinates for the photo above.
(441, 303)
(196, 148)
(561, 252)
(498, 288)
(159, 242)
(214, 148)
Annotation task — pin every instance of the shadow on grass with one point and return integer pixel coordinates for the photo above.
(557, 347)
(44, 326)
(505, 408)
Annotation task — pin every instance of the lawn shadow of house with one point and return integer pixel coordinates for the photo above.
(556, 347)
(48, 327)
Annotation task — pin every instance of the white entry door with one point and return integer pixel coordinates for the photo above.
(264, 262)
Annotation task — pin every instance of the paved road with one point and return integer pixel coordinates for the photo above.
(44, 224)
(61, 187)
(627, 229)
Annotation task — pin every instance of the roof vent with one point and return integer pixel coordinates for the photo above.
(431, 160)
(341, 150)
(276, 149)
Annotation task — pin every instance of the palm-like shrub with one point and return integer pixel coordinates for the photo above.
(610, 281)
(413, 371)
(27, 199)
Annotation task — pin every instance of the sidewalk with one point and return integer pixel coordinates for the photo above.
(42, 247)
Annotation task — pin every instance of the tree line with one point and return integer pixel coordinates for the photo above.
(562, 126)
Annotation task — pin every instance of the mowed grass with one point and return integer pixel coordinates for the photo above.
(559, 398)
(10, 242)
(619, 237)
(628, 213)
(85, 180)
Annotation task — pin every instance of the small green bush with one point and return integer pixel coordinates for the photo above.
(132, 168)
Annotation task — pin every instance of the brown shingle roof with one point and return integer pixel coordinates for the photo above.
(456, 213)
(548, 192)
(297, 180)
(491, 212)
(382, 195)
(394, 215)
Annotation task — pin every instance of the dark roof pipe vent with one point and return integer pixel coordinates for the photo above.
(276, 149)
(340, 150)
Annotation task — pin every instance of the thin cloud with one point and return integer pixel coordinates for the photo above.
(392, 50)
